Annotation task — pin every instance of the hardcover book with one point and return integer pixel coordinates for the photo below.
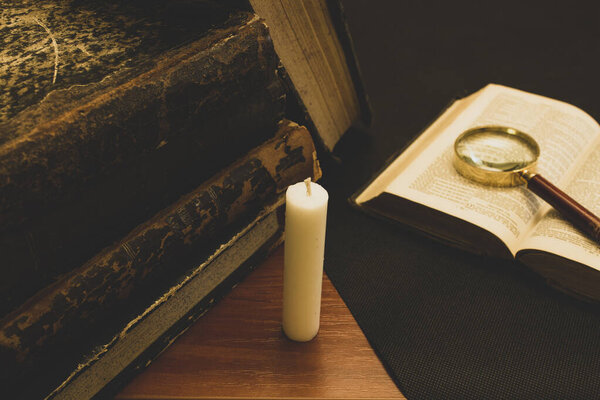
(46, 336)
(143, 338)
(112, 111)
(126, 167)
(160, 103)
(420, 187)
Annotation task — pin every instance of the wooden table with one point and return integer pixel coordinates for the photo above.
(237, 350)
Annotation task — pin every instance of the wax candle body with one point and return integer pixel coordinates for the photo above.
(305, 221)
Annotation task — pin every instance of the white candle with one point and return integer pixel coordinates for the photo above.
(305, 220)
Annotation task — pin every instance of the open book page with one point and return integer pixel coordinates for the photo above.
(554, 235)
(562, 131)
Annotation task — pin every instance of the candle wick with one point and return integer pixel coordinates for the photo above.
(307, 183)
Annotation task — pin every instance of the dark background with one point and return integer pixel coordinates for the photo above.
(448, 324)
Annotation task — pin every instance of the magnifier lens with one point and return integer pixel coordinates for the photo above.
(503, 157)
(496, 150)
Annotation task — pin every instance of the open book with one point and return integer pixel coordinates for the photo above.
(421, 188)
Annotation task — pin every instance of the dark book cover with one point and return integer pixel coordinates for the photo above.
(58, 324)
(149, 100)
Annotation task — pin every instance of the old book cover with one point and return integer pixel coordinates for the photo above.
(149, 100)
(110, 111)
(61, 322)
(110, 366)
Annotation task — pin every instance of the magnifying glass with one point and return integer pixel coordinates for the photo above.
(501, 156)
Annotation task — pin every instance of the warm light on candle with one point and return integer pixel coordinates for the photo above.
(305, 220)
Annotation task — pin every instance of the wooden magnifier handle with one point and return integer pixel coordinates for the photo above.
(574, 212)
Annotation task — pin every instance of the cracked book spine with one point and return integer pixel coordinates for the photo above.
(106, 147)
(48, 333)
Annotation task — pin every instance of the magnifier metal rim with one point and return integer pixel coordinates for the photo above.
(490, 177)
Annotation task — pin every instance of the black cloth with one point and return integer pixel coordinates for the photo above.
(448, 324)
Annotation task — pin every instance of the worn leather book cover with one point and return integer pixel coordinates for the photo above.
(103, 372)
(58, 324)
(111, 111)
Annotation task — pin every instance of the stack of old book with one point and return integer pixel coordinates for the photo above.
(145, 149)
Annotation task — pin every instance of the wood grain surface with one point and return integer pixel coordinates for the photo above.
(237, 350)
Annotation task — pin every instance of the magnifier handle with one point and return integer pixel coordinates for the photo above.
(574, 212)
